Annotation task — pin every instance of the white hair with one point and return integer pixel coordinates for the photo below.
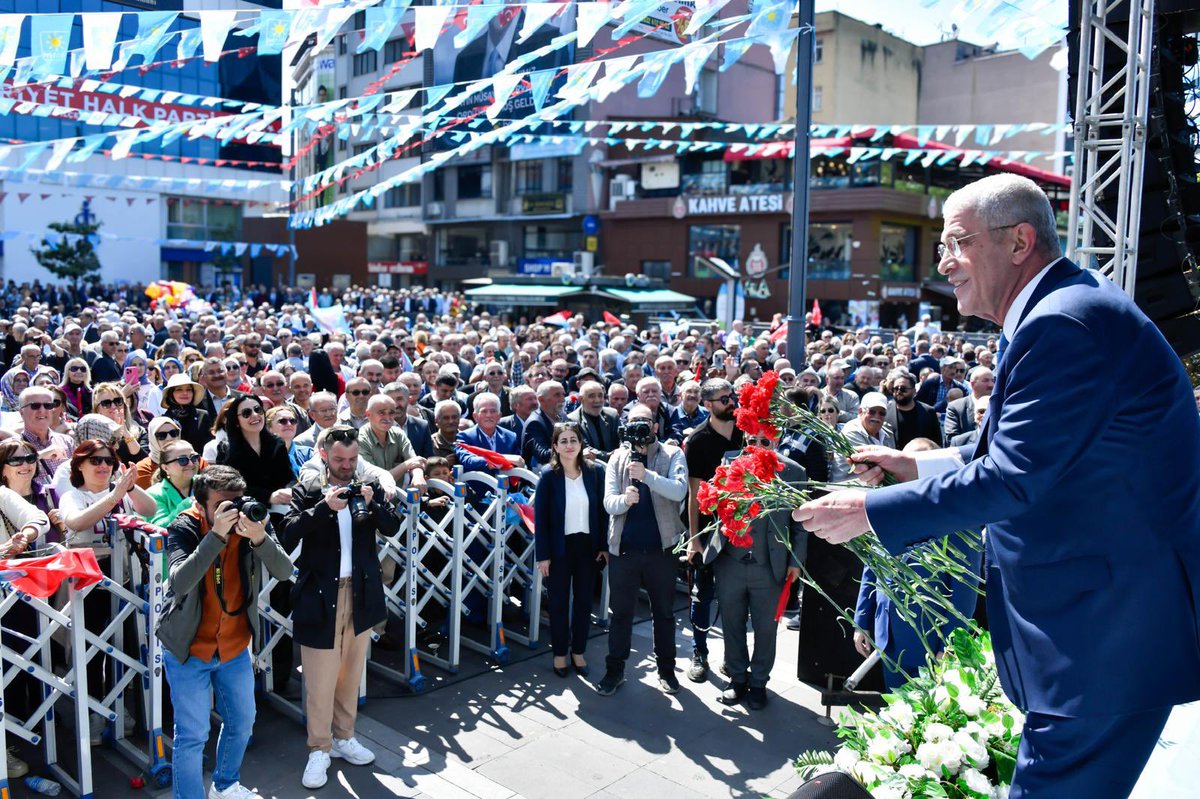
(1004, 200)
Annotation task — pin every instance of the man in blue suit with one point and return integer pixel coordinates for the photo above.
(487, 434)
(1090, 490)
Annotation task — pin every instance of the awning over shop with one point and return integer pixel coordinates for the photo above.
(643, 300)
(522, 294)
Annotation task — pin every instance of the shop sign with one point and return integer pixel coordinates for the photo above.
(542, 266)
(732, 204)
(544, 203)
(592, 243)
(757, 289)
(900, 292)
(398, 267)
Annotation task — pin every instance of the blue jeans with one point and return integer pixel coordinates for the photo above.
(193, 686)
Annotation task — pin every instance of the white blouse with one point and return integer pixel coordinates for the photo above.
(577, 506)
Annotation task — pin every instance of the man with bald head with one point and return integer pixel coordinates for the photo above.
(358, 391)
(383, 443)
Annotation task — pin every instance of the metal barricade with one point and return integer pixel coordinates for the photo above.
(274, 629)
(518, 570)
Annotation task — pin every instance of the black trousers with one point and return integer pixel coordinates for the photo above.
(654, 571)
(570, 584)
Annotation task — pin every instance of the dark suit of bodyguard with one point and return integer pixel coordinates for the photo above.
(1090, 490)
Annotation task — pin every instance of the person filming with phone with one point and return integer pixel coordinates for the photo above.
(338, 595)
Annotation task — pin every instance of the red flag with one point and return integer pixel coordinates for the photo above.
(783, 597)
(816, 313)
(493, 458)
(526, 512)
(560, 319)
(611, 318)
(40, 577)
(779, 332)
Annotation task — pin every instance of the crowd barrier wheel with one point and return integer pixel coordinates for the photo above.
(161, 775)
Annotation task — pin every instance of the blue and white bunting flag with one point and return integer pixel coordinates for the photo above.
(99, 38)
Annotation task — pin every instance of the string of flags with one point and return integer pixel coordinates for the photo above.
(255, 249)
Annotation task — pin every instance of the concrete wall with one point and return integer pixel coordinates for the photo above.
(963, 84)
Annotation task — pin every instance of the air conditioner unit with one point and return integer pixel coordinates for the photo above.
(585, 262)
(435, 209)
(498, 253)
(622, 187)
(561, 270)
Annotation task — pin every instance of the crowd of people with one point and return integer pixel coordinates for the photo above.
(247, 430)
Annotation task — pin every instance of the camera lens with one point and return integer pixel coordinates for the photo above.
(254, 510)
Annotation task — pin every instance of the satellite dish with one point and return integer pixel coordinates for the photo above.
(630, 279)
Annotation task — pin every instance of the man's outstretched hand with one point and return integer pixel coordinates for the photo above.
(837, 517)
(872, 464)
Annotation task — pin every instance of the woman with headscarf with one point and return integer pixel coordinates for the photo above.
(169, 367)
(181, 401)
(77, 378)
(14, 381)
(163, 431)
(149, 396)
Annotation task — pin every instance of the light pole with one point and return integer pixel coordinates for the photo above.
(798, 276)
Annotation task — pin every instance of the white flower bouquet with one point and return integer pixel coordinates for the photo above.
(950, 732)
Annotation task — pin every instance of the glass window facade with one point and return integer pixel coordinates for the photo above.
(713, 241)
(898, 252)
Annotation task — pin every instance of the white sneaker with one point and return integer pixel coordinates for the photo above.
(314, 771)
(96, 724)
(352, 751)
(16, 766)
(235, 791)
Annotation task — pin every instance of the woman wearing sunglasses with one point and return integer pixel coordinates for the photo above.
(182, 398)
(75, 385)
(98, 491)
(18, 472)
(162, 431)
(256, 453)
(172, 487)
(111, 400)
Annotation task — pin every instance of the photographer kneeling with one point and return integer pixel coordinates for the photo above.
(338, 595)
(644, 485)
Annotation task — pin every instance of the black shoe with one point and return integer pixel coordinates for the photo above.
(563, 672)
(724, 670)
(734, 692)
(611, 682)
(756, 698)
(582, 671)
(668, 682)
(698, 671)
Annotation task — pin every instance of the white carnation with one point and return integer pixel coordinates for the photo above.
(940, 757)
(938, 732)
(970, 704)
(846, 759)
(977, 782)
(886, 748)
(901, 714)
(915, 771)
(974, 752)
(891, 792)
(870, 774)
(977, 732)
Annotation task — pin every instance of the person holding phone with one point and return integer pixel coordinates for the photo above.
(137, 373)
(210, 618)
(112, 400)
(571, 531)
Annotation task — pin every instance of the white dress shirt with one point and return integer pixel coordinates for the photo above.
(345, 568)
(576, 520)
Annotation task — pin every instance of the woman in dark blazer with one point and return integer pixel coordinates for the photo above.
(571, 533)
(260, 457)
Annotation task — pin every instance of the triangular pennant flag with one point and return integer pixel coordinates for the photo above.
(734, 51)
(694, 61)
(434, 94)
(49, 37)
(10, 37)
(478, 17)
(704, 12)
(22, 196)
(153, 27)
(502, 87)
(589, 19)
(380, 21)
(632, 12)
(189, 43)
(99, 38)
(273, 30)
(429, 23)
(540, 82)
(214, 28)
(61, 148)
(536, 15)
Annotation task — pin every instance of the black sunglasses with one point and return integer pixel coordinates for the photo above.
(185, 460)
(343, 435)
(21, 460)
(101, 460)
(361, 392)
(246, 413)
(108, 403)
(163, 435)
(78, 369)
(43, 406)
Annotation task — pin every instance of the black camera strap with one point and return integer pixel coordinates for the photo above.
(219, 584)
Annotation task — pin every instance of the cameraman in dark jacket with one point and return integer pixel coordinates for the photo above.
(338, 595)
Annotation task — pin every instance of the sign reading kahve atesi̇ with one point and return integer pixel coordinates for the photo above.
(730, 204)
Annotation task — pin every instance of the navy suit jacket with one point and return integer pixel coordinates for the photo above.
(419, 435)
(506, 444)
(1090, 490)
(550, 509)
(535, 444)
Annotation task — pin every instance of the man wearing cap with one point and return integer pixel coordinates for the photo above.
(867, 428)
(835, 382)
(934, 390)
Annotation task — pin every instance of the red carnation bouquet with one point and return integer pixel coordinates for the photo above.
(750, 486)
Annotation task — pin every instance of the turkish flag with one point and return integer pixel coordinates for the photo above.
(816, 314)
(560, 319)
(611, 318)
(493, 458)
(526, 512)
(40, 577)
(779, 332)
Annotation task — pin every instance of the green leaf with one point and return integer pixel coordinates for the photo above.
(1006, 764)
(810, 762)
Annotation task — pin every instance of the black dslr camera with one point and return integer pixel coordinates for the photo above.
(255, 511)
(638, 433)
(355, 501)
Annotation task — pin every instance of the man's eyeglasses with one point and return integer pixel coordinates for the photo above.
(22, 460)
(102, 460)
(108, 403)
(185, 460)
(42, 406)
(246, 413)
(834, 411)
(359, 392)
(273, 385)
(954, 244)
(759, 442)
(724, 399)
(163, 435)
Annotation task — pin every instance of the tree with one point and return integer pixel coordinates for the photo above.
(73, 256)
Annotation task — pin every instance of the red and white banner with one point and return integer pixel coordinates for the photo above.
(92, 102)
(398, 267)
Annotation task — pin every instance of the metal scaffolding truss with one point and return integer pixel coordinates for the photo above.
(1110, 136)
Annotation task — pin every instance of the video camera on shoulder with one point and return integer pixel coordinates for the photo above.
(638, 433)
